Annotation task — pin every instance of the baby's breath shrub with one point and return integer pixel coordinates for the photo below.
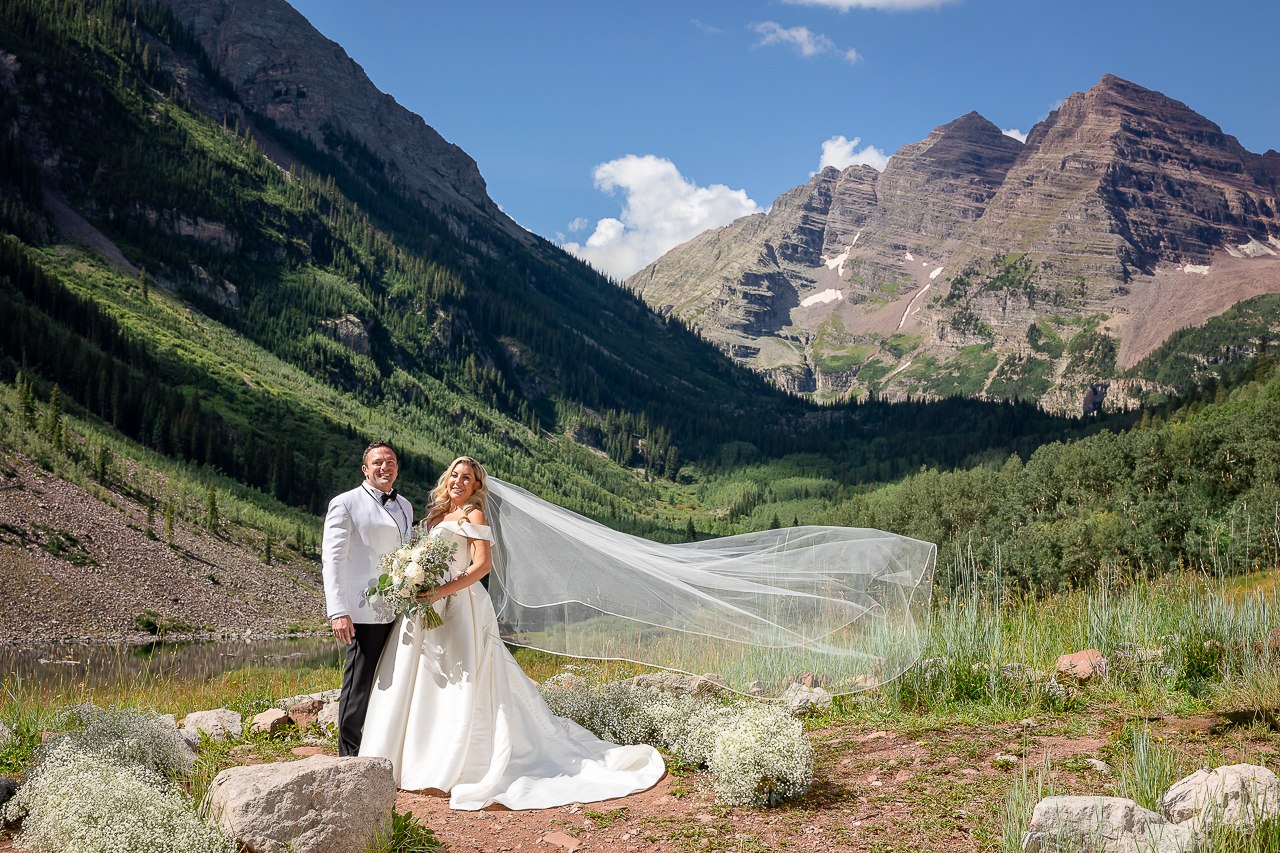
(79, 801)
(758, 754)
(612, 710)
(760, 758)
(127, 736)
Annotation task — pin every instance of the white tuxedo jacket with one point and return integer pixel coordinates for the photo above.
(357, 531)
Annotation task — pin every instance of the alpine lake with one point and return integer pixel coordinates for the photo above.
(56, 667)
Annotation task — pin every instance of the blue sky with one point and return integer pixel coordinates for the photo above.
(644, 122)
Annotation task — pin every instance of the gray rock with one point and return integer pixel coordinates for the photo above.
(217, 724)
(680, 685)
(328, 716)
(800, 699)
(1021, 673)
(1238, 795)
(321, 804)
(1102, 825)
(323, 696)
(8, 787)
(6, 735)
(169, 720)
(1060, 692)
(1133, 654)
(1005, 762)
(1099, 765)
(270, 722)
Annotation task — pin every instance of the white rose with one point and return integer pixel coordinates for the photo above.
(414, 573)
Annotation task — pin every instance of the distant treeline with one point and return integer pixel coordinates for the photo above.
(1196, 486)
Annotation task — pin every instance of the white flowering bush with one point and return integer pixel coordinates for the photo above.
(757, 753)
(127, 736)
(107, 786)
(88, 802)
(759, 759)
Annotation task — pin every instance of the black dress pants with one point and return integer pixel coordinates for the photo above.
(357, 683)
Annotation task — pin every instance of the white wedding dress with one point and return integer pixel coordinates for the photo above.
(453, 710)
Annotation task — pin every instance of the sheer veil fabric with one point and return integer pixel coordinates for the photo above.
(761, 610)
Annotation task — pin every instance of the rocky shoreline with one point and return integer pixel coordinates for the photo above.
(141, 638)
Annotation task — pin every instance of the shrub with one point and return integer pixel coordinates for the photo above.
(79, 801)
(126, 736)
(757, 754)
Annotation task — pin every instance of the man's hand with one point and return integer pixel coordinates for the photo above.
(344, 629)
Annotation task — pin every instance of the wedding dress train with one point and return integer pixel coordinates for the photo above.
(452, 710)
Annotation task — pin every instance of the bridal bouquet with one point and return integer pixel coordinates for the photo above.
(411, 570)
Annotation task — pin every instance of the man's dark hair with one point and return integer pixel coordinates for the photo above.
(364, 460)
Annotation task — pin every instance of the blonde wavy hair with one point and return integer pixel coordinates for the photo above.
(440, 494)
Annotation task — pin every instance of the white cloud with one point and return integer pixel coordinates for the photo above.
(579, 223)
(839, 152)
(661, 210)
(706, 28)
(805, 41)
(1015, 133)
(888, 5)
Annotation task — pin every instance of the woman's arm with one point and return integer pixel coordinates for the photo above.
(481, 562)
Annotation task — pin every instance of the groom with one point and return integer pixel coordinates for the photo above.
(361, 526)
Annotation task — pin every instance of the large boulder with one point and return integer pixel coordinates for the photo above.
(1102, 825)
(217, 724)
(1239, 795)
(321, 804)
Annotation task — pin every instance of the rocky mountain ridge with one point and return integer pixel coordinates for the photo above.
(978, 265)
(285, 69)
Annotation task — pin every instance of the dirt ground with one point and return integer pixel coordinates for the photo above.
(873, 790)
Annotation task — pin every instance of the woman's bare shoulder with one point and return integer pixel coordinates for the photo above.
(475, 515)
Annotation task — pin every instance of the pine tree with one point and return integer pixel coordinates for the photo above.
(53, 420)
(211, 510)
(102, 464)
(673, 463)
(151, 517)
(168, 521)
(690, 534)
(795, 521)
(266, 548)
(26, 403)
(775, 524)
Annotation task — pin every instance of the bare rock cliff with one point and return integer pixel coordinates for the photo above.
(977, 265)
(285, 69)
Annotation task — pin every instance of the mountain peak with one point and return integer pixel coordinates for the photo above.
(285, 69)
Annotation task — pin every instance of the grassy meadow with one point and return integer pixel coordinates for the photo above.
(962, 745)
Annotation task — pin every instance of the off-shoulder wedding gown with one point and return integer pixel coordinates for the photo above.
(453, 710)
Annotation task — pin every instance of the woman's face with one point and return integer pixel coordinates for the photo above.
(461, 483)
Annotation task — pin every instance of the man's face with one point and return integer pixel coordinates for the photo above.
(380, 468)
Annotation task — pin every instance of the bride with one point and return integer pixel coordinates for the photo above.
(452, 709)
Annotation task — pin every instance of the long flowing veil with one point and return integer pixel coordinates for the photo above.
(760, 610)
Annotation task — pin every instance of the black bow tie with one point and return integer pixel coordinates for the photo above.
(388, 497)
